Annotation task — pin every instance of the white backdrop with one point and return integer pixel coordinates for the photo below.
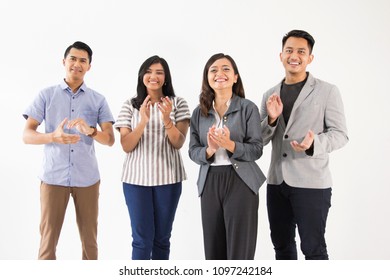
(351, 51)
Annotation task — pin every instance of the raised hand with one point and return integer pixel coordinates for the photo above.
(145, 110)
(165, 107)
(274, 108)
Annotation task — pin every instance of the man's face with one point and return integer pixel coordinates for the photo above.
(76, 64)
(295, 55)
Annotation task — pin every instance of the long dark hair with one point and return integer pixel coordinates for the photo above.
(141, 88)
(207, 94)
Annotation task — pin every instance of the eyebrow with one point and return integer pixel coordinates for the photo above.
(291, 48)
(157, 70)
(225, 65)
(73, 56)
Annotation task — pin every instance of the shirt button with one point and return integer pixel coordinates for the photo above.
(71, 150)
(284, 155)
(72, 110)
(285, 136)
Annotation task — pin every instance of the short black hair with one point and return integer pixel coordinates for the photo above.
(300, 34)
(80, 46)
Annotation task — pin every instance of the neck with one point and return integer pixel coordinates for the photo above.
(74, 85)
(295, 78)
(155, 96)
(221, 98)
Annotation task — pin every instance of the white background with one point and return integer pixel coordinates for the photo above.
(352, 51)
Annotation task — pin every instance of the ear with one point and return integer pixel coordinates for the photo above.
(235, 78)
(280, 56)
(311, 57)
(63, 61)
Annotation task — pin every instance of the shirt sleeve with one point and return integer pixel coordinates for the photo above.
(182, 111)
(125, 116)
(105, 114)
(36, 110)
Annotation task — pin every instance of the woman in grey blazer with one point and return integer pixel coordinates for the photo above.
(225, 140)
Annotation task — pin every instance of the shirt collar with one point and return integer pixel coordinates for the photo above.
(227, 103)
(64, 86)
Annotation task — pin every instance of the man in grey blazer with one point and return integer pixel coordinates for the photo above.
(304, 118)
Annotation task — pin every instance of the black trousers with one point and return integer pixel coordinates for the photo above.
(229, 216)
(308, 209)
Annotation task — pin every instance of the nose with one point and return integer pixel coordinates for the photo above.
(293, 55)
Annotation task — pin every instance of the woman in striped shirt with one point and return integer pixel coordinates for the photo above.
(153, 127)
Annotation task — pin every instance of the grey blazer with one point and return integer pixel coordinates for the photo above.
(318, 107)
(243, 119)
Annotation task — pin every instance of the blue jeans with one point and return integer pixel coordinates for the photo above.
(308, 209)
(152, 211)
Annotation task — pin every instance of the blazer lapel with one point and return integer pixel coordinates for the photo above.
(305, 92)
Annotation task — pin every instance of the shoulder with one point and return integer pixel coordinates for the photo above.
(127, 105)
(246, 103)
(275, 88)
(180, 101)
(196, 112)
(95, 94)
(320, 83)
(50, 90)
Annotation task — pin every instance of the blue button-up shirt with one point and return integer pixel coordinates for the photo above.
(72, 165)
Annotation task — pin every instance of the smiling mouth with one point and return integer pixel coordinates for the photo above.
(294, 63)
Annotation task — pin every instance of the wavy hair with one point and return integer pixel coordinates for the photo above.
(207, 94)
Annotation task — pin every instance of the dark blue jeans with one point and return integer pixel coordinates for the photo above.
(152, 211)
(308, 209)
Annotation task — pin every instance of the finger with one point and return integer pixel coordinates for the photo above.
(146, 100)
(62, 124)
(226, 130)
(73, 123)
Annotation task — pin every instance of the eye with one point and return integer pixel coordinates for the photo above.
(301, 52)
(213, 70)
(226, 69)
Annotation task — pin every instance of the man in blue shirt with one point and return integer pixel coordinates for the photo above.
(71, 112)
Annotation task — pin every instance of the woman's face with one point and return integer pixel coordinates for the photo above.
(154, 78)
(221, 75)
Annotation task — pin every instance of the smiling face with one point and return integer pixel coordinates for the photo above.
(76, 65)
(221, 76)
(295, 57)
(154, 78)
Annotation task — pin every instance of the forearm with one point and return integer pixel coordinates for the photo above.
(36, 138)
(105, 138)
(130, 138)
(176, 138)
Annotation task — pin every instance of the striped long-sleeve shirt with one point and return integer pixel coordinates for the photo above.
(154, 161)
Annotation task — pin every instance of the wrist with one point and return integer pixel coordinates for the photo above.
(92, 132)
(168, 124)
(272, 121)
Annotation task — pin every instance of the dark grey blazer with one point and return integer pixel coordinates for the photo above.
(319, 107)
(243, 120)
